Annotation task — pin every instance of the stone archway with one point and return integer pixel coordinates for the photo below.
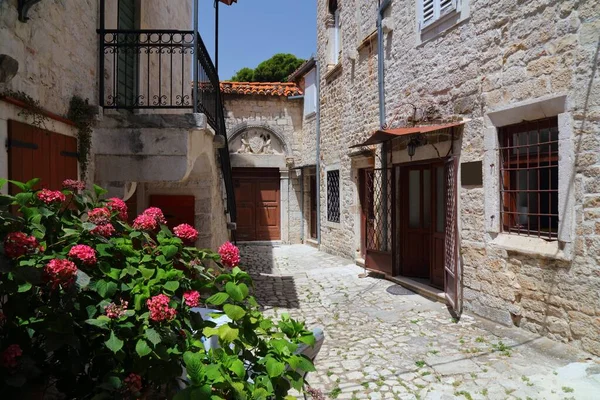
(258, 158)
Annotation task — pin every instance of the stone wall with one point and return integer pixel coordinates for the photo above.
(527, 51)
(283, 117)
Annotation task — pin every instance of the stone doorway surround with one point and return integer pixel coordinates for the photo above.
(261, 146)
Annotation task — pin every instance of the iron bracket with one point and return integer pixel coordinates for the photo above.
(23, 7)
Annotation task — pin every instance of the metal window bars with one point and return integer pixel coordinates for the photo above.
(529, 178)
(333, 196)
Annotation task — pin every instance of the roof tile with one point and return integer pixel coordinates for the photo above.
(261, 88)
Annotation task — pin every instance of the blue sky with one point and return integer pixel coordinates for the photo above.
(252, 31)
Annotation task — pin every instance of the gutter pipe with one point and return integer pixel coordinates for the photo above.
(318, 139)
(384, 147)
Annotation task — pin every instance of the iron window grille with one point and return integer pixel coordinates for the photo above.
(529, 178)
(379, 218)
(333, 196)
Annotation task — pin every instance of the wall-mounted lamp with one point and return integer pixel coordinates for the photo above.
(415, 142)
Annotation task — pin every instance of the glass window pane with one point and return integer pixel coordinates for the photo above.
(440, 190)
(414, 198)
(426, 198)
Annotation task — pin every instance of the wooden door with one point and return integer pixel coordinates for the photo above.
(177, 209)
(38, 153)
(257, 197)
(417, 221)
(452, 271)
(313, 207)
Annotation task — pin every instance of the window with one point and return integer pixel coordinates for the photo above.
(433, 10)
(529, 178)
(310, 93)
(333, 196)
(335, 37)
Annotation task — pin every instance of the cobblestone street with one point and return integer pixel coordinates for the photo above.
(385, 342)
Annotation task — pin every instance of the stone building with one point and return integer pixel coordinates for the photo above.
(474, 175)
(156, 137)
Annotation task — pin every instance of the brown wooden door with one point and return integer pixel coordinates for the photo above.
(38, 153)
(257, 199)
(313, 207)
(177, 209)
(417, 221)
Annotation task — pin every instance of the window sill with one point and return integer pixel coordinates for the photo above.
(334, 71)
(440, 27)
(531, 246)
(334, 225)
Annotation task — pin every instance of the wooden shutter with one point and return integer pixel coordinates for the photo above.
(451, 260)
(427, 12)
(447, 6)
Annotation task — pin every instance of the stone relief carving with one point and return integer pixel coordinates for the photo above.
(256, 141)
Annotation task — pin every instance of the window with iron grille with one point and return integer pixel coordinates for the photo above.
(333, 196)
(529, 178)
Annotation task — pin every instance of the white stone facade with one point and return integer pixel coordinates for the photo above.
(492, 62)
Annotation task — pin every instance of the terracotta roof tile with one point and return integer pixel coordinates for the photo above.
(261, 88)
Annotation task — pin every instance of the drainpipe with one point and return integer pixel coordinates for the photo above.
(301, 205)
(318, 138)
(384, 146)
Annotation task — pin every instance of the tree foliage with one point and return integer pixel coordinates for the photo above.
(275, 69)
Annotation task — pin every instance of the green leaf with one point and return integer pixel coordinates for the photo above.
(169, 251)
(237, 367)
(234, 291)
(171, 286)
(301, 362)
(88, 226)
(147, 272)
(193, 366)
(135, 234)
(142, 348)
(114, 343)
(83, 279)
(91, 311)
(244, 289)
(235, 271)
(228, 334)
(152, 336)
(218, 298)
(308, 339)
(31, 183)
(3, 182)
(234, 312)
(100, 322)
(20, 185)
(106, 289)
(99, 191)
(260, 394)
(24, 287)
(274, 368)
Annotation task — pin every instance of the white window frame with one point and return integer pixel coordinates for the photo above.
(531, 110)
(310, 93)
(449, 7)
(336, 37)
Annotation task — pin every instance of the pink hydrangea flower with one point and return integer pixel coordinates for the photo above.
(159, 308)
(99, 216)
(155, 213)
(51, 196)
(83, 253)
(60, 272)
(133, 383)
(192, 298)
(186, 232)
(9, 356)
(230, 254)
(118, 205)
(105, 230)
(73, 185)
(145, 222)
(17, 244)
(114, 311)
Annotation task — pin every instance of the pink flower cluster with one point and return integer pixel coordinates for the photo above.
(186, 232)
(83, 253)
(117, 205)
(51, 196)
(73, 185)
(114, 311)
(60, 272)
(99, 216)
(17, 244)
(149, 219)
(230, 254)
(105, 230)
(133, 383)
(192, 298)
(9, 356)
(159, 308)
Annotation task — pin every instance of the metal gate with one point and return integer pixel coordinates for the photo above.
(378, 211)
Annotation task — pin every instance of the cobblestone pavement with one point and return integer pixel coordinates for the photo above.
(385, 342)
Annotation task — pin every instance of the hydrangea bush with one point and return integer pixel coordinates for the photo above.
(94, 308)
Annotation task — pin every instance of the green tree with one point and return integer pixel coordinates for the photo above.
(275, 69)
(244, 75)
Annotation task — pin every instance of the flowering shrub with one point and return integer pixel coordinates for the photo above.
(94, 308)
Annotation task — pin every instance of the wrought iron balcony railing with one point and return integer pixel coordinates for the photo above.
(163, 69)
